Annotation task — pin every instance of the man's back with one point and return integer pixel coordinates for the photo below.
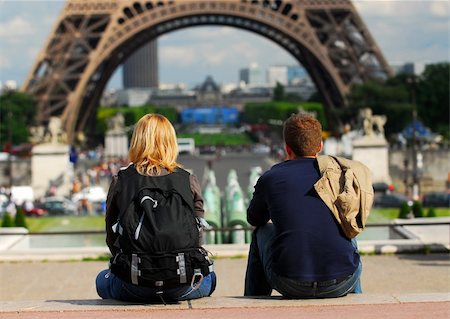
(309, 245)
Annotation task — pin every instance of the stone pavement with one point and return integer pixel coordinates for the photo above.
(395, 286)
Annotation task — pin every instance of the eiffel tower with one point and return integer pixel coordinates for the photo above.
(92, 38)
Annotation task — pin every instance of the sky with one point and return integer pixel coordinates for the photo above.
(405, 30)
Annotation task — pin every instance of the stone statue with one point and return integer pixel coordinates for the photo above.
(372, 124)
(378, 122)
(54, 133)
(116, 139)
(37, 134)
(255, 173)
(116, 124)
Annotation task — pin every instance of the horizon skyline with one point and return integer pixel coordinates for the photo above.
(407, 31)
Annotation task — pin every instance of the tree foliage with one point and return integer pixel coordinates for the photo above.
(404, 211)
(433, 97)
(131, 116)
(395, 98)
(264, 112)
(417, 209)
(17, 113)
(19, 220)
(7, 220)
(431, 212)
(278, 92)
(390, 98)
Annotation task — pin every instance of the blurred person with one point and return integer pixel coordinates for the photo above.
(302, 247)
(145, 268)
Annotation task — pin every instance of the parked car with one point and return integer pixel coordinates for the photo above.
(36, 211)
(391, 199)
(56, 205)
(436, 199)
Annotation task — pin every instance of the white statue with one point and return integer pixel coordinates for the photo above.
(116, 124)
(55, 133)
(372, 124)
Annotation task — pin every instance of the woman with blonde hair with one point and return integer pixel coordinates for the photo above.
(152, 223)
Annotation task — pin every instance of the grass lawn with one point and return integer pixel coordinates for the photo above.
(382, 215)
(74, 223)
(65, 223)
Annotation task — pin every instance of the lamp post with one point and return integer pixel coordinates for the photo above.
(415, 172)
(10, 173)
(9, 139)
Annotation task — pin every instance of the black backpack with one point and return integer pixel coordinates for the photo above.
(158, 233)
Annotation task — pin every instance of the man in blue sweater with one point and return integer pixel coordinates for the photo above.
(298, 248)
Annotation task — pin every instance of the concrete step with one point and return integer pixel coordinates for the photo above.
(432, 305)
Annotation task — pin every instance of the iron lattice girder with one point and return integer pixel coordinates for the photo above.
(92, 38)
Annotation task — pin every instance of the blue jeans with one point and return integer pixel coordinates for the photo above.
(260, 279)
(109, 286)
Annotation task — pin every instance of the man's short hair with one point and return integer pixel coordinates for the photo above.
(303, 134)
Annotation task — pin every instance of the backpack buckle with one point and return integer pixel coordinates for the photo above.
(197, 274)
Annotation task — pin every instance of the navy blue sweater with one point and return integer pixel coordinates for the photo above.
(309, 245)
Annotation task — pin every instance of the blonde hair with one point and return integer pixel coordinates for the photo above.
(153, 145)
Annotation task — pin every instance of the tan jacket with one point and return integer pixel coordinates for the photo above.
(346, 188)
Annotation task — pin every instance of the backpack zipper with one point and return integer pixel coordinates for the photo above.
(141, 220)
(138, 228)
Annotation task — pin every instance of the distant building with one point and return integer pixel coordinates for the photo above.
(109, 98)
(209, 91)
(140, 70)
(9, 85)
(297, 75)
(134, 97)
(277, 74)
(406, 68)
(287, 75)
(251, 76)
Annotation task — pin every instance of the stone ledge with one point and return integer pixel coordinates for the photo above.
(218, 303)
(397, 246)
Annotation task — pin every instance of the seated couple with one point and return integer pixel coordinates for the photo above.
(307, 211)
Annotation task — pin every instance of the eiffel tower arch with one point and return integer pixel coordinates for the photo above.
(92, 38)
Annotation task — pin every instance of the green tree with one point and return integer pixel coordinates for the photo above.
(7, 220)
(390, 98)
(433, 97)
(278, 92)
(404, 211)
(19, 220)
(263, 112)
(170, 112)
(431, 212)
(17, 113)
(417, 209)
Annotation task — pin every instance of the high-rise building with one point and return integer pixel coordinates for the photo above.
(251, 76)
(405, 68)
(296, 75)
(140, 70)
(277, 74)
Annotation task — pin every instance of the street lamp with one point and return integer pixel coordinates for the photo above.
(415, 171)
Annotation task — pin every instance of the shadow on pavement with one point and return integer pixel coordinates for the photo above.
(108, 302)
(439, 260)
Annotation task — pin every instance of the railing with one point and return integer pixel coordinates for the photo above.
(227, 229)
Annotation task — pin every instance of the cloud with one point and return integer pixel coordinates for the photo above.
(4, 62)
(215, 57)
(33, 52)
(16, 28)
(401, 8)
(178, 55)
(379, 8)
(211, 32)
(440, 9)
